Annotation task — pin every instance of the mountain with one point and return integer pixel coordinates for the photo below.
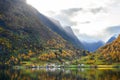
(69, 31)
(111, 39)
(92, 46)
(107, 54)
(56, 27)
(111, 51)
(56, 22)
(24, 35)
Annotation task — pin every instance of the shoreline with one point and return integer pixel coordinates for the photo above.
(70, 66)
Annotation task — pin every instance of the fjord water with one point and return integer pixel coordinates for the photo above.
(60, 74)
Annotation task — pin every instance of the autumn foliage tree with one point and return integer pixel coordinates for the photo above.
(111, 52)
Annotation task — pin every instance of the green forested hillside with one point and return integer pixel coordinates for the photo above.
(23, 37)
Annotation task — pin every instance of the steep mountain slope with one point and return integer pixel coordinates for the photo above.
(93, 46)
(56, 27)
(56, 22)
(111, 39)
(23, 35)
(76, 41)
(111, 51)
(69, 31)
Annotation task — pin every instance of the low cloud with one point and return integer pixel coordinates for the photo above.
(66, 16)
(74, 11)
(113, 30)
(104, 35)
(51, 13)
(65, 20)
(85, 22)
(69, 15)
(71, 11)
(88, 38)
(97, 10)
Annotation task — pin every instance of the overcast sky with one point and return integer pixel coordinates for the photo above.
(91, 20)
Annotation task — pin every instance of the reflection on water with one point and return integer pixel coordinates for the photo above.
(60, 74)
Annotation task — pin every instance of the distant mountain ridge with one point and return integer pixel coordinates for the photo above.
(93, 46)
(111, 39)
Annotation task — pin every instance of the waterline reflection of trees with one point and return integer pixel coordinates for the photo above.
(59, 74)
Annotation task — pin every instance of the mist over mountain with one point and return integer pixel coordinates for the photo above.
(69, 31)
(67, 34)
(92, 46)
(26, 33)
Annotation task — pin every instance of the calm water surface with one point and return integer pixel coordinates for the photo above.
(60, 74)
